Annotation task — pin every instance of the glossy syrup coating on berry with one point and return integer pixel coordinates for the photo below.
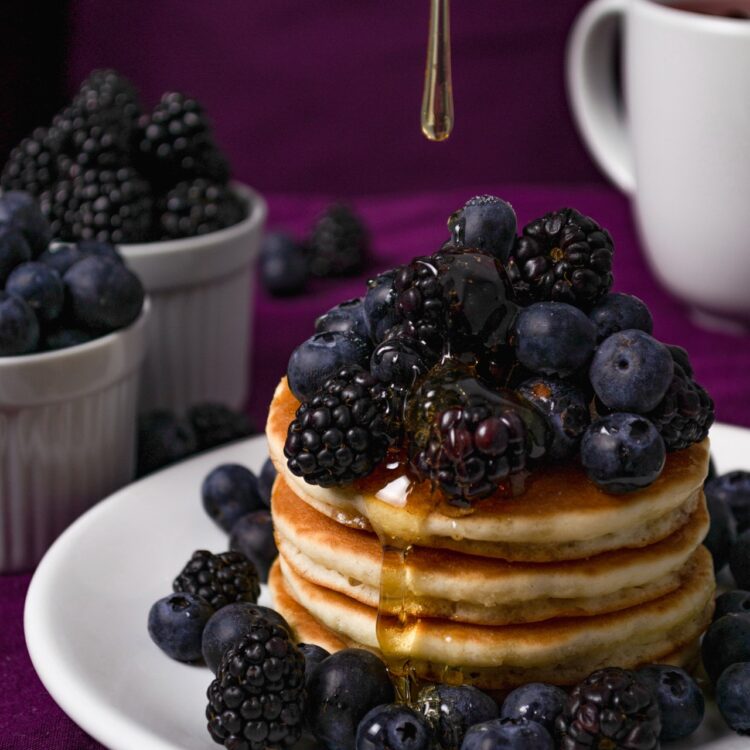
(610, 708)
(347, 317)
(380, 309)
(220, 579)
(485, 222)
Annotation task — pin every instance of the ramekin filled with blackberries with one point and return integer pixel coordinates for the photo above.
(72, 344)
(154, 183)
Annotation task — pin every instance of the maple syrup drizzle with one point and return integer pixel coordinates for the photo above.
(437, 100)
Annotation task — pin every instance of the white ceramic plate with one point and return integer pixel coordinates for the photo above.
(86, 609)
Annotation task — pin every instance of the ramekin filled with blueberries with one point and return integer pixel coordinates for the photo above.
(72, 343)
(155, 184)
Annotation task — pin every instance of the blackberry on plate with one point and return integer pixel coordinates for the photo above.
(220, 579)
(174, 142)
(485, 222)
(341, 434)
(32, 164)
(610, 708)
(176, 623)
(398, 359)
(733, 488)
(163, 439)
(216, 424)
(722, 531)
(229, 492)
(257, 700)
(733, 697)
(380, 305)
(563, 256)
(197, 207)
(339, 244)
(252, 535)
(393, 727)
(518, 734)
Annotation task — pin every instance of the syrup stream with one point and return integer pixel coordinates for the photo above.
(437, 100)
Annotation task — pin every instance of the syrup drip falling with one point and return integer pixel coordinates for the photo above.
(437, 100)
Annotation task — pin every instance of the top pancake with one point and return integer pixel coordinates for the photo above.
(561, 514)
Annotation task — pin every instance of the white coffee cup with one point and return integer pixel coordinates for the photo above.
(679, 143)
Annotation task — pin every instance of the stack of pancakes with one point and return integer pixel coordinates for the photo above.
(546, 586)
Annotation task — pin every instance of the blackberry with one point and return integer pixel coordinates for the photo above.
(612, 709)
(110, 205)
(175, 143)
(342, 433)
(110, 96)
(457, 297)
(400, 358)
(32, 164)
(197, 207)
(339, 243)
(219, 579)
(686, 412)
(257, 698)
(216, 424)
(565, 257)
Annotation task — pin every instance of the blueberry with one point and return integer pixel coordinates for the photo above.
(513, 734)
(485, 222)
(712, 473)
(397, 360)
(380, 305)
(622, 452)
(283, 265)
(40, 286)
(253, 536)
(60, 337)
(722, 532)
(726, 642)
(680, 700)
(451, 710)
(565, 408)
(102, 249)
(631, 371)
(393, 727)
(265, 481)
(228, 625)
(739, 560)
(620, 312)
(313, 656)
(229, 492)
(176, 624)
(19, 327)
(734, 489)
(536, 701)
(14, 250)
(320, 357)
(104, 295)
(22, 212)
(733, 697)
(163, 439)
(731, 602)
(60, 257)
(346, 317)
(341, 691)
(553, 338)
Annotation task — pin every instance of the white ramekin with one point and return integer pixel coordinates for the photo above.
(201, 296)
(67, 436)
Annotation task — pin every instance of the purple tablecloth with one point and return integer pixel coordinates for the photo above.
(402, 227)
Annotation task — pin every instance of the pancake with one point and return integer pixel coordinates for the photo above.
(677, 645)
(465, 588)
(561, 515)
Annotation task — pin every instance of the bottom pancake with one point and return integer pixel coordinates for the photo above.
(560, 651)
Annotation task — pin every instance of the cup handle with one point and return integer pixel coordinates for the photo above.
(598, 112)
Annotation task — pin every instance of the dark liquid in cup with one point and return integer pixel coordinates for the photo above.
(739, 9)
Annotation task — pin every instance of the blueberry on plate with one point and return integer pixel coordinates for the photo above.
(103, 294)
(620, 312)
(726, 642)
(622, 452)
(19, 327)
(733, 697)
(341, 691)
(266, 478)
(680, 700)
(553, 338)
(739, 560)
(14, 250)
(514, 734)
(380, 305)
(734, 489)
(722, 531)
(313, 656)
(284, 266)
(485, 222)
(393, 727)
(320, 357)
(230, 624)
(163, 439)
(537, 702)
(452, 709)
(21, 211)
(229, 492)
(60, 337)
(176, 624)
(40, 286)
(631, 371)
(732, 602)
(347, 317)
(252, 534)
